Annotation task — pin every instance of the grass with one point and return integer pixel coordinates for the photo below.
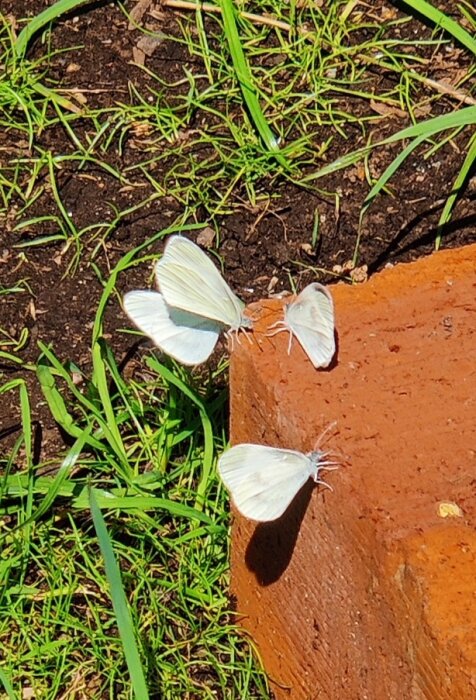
(115, 561)
(114, 568)
(257, 126)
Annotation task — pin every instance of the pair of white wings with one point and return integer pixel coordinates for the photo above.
(193, 306)
(263, 480)
(310, 317)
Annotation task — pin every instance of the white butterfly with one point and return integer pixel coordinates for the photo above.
(194, 306)
(188, 338)
(264, 480)
(190, 281)
(310, 317)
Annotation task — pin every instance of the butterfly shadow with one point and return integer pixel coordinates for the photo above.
(271, 546)
(335, 358)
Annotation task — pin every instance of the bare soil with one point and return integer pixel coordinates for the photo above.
(261, 247)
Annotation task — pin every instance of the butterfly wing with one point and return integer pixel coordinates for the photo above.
(263, 480)
(187, 338)
(310, 317)
(190, 281)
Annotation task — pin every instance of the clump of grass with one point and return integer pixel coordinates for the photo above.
(425, 131)
(25, 100)
(115, 559)
(260, 102)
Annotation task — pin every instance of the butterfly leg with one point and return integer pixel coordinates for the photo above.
(233, 333)
(279, 325)
(323, 483)
(248, 335)
(231, 337)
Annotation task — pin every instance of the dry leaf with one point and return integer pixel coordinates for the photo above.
(387, 110)
(137, 12)
(149, 44)
(448, 509)
(138, 56)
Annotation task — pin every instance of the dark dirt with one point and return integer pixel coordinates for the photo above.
(261, 246)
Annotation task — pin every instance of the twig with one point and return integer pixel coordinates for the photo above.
(209, 7)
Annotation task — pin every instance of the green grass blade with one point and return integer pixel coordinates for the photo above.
(107, 499)
(16, 486)
(441, 20)
(26, 422)
(208, 450)
(456, 189)
(25, 413)
(426, 129)
(55, 401)
(7, 686)
(394, 166)
(56, 484)
(102, 385)
(56, 98)
(119, 603)
(41, 20)
(245, 80)
(57, 406)
(59, 410)
(390, 171)
(100, 357)
(8, 357)
(430, 127)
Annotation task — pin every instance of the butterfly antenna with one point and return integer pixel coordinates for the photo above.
(321, 437)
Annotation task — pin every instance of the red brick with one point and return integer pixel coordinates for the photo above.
(366, 591)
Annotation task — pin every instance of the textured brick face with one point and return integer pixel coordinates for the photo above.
(367, 591)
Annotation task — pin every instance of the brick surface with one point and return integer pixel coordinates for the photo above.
(368, 591)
